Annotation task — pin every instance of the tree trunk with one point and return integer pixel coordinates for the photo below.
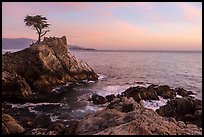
(39, 37)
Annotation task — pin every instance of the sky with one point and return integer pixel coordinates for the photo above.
(112, 25)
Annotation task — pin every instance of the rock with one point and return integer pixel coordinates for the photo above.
(140, 93)
(10, 126)
(42, 67)
(110, 97)
(185, 109)
(139, 121)
(165, 92)
(15, 86)
(182, 92)
(97, 99)
(124, 104)
(40, 131)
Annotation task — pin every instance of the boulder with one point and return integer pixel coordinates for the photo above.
(185, 109)
(42, 67)
(10, 126)
(97, 99)
(165, 91)
(140, 93)
(123, 104)
(182, 92)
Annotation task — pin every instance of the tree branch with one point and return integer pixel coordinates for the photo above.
(44, 33)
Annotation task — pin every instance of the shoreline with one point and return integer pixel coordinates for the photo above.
(53, 119)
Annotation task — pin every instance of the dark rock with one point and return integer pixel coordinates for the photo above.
(42, 67)
(182, 92)
(56, 129)
(15, 86)
(165, 92)
(10, 126)
(97, 99)
(110, 97)
(71, 129)
(141, 93)
(185, 109)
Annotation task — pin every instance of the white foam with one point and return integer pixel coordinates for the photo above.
(84, 111)
(178, 96)
(31, 110)
(31, 104)
(56, 89)
(118, 89)
(101, 76)
(155, 104)
(54, 118)
(88, 81)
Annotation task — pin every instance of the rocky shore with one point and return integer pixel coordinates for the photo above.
(40, 68)
(31, 75)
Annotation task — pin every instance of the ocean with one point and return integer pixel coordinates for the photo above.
(119, 70)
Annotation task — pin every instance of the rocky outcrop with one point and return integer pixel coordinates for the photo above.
(182, 92)
(10, 126)
(165, 91)
(186, 109)
(97, 99)
(136, 121)
(140, 93)
(41, 67)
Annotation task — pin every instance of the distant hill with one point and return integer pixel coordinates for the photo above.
(75, 47)
(21, 43)
(16, 43)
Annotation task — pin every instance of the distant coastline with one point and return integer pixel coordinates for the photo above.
(21, 43)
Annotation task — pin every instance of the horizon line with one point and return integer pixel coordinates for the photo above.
(127, 50)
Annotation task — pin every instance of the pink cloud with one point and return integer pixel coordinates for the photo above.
(144, 5)
(190, 11)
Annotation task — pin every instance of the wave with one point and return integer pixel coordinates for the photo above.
(155, 104)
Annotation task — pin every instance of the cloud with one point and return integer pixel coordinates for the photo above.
(191, 12)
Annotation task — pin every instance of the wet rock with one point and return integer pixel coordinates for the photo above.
(185, 109)
(141, 93)
(182, 92)
(10, 126)
(42, 67)
(165, 92)
(97, 99)
(110, 97)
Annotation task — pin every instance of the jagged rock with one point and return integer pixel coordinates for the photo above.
(140, 93)
(182, 92)
(139, 121)
(42, 67)
(97, 99)
(10, 126)
(165, 91)
(185, 109)
(15, 85)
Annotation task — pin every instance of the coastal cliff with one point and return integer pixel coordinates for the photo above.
(40, 68)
